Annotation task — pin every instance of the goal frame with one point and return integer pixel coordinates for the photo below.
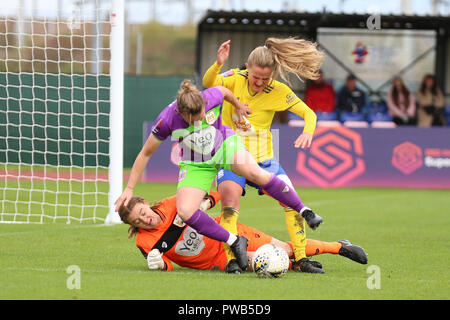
(114, 186)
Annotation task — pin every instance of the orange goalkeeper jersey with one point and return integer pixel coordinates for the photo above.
(182, 245)
(179, 242)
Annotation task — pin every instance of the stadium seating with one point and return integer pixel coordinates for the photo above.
(351, 116)
(447, 115)
(378, 107)
(293, 116)
(353, 120)
(296, 123)
(381, 120)
(383, 124)
(295, 120)
(328, 119)
(327, 116)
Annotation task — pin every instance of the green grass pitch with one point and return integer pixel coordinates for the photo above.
(405, 232)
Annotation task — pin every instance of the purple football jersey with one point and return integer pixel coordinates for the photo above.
(199, 141)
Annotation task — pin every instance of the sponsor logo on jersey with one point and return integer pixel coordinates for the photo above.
(202, 141)
(290, 97)
(191, 244)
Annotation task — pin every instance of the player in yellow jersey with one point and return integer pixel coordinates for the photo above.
(257, 86)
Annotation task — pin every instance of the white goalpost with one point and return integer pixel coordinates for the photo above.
(117, 98)
(61, 110)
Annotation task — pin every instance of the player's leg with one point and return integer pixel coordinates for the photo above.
(316, 247)
(230, 186)
(245, 165)
(188, 203)
(193, 183)
(342, 247)
(295, 223)
(258, 238)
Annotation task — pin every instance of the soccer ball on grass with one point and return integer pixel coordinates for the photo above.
(270, 261)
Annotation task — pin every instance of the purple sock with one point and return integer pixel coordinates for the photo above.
(206, 226)
(279, 190)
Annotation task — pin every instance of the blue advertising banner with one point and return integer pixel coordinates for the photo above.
(406, 157)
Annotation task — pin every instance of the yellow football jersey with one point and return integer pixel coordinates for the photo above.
(255, 130)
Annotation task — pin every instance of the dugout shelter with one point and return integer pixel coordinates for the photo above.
(425, 43)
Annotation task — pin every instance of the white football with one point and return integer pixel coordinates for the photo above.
(270, 261)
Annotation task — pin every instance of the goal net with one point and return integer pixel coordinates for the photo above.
(61, 110)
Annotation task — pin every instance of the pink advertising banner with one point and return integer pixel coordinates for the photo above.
(406, 157)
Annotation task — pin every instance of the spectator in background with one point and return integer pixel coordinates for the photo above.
(430, 103)
(401, 103)
(350, 98)
(320, 95)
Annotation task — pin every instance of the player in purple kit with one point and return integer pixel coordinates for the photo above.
(194, 119)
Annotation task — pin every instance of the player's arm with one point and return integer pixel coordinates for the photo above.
(242, 109)
(149, 148)
(310, 117)
(147, 151)
(157, 261)
(212, 76)
(288, 100)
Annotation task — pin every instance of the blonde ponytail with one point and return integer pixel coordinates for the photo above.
(290, 55)
(189, 99)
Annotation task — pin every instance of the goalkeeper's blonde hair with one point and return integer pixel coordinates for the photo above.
(289, 55)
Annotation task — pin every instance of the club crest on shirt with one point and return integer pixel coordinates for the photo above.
(210, 117)
(178, 221)
(182, 175)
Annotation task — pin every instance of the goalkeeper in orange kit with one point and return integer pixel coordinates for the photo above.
(163, 238)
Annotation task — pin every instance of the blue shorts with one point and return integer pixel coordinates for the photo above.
(270, 165)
